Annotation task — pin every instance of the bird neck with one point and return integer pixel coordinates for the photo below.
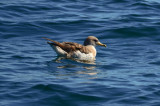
(92, 49)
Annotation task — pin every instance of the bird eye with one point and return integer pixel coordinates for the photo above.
(96, 40)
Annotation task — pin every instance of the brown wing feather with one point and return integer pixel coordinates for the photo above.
(69, 47)
(53, 42)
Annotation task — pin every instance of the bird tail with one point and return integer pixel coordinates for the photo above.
(55, 43)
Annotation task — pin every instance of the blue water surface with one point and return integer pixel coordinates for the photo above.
(125, 73)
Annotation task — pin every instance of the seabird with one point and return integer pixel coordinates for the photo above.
(86, 52)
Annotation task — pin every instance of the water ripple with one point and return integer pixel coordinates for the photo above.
(124, 73)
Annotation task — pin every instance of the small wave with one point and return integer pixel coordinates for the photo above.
(155, 63)
(133, 32)
(150, 75)
(22, 57)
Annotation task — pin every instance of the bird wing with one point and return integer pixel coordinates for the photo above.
(69, 47)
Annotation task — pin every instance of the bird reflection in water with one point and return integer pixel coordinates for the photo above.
(75, 68)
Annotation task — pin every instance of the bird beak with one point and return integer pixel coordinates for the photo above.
(100, 44)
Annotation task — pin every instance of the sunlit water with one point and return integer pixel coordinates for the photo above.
(125, 73)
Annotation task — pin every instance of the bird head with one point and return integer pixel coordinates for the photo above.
(91, 40)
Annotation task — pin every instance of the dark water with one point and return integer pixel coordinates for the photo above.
(125, 73)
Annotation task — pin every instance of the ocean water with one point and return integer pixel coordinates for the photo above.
(126, 73)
